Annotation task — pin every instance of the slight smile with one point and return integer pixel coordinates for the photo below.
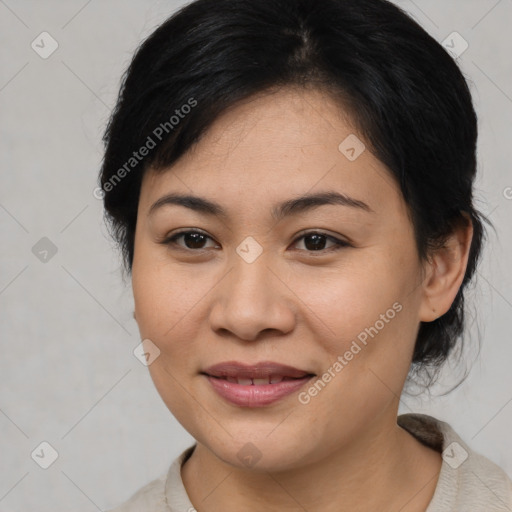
(255, 385)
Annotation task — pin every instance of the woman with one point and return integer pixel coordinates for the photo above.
(290, 183)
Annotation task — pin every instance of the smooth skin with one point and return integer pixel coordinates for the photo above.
(301, 302)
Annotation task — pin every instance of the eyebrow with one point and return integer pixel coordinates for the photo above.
(285, 209)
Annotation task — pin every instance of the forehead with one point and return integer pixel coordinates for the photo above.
(274, 146)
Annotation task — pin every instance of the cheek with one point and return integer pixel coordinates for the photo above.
(164, 305)
(170, 302)
(366, 346)
(161, 294)
(367, 289)
(369, 313)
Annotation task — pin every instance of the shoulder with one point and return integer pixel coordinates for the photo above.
(163, 494)
(468, 481)
(151, 497)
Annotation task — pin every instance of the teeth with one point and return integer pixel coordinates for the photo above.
(271, 379)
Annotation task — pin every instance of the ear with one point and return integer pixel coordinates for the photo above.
(445, 272)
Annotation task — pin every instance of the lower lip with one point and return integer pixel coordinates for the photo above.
(256, 395)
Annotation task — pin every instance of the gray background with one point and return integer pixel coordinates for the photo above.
(68, 373)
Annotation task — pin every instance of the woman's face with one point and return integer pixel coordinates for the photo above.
(259, 287)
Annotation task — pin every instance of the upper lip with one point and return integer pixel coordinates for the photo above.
(254, 371)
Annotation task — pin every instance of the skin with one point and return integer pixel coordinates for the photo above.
(201, 303)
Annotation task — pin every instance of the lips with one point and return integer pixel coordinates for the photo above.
(256, 385)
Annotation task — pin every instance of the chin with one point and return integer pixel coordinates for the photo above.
(262, 453)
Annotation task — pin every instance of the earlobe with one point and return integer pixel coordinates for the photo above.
(446, 270)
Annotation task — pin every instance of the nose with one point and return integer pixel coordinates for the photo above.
(252, 298)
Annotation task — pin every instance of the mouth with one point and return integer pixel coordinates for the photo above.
(255, 385)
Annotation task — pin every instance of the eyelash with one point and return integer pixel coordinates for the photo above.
(339, 244)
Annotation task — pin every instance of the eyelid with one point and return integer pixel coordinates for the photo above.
(339, 238)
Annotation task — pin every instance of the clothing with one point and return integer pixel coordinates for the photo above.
(468, 482)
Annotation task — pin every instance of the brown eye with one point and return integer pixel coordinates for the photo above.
(313, 241)
(316, 242)
(193, 240)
